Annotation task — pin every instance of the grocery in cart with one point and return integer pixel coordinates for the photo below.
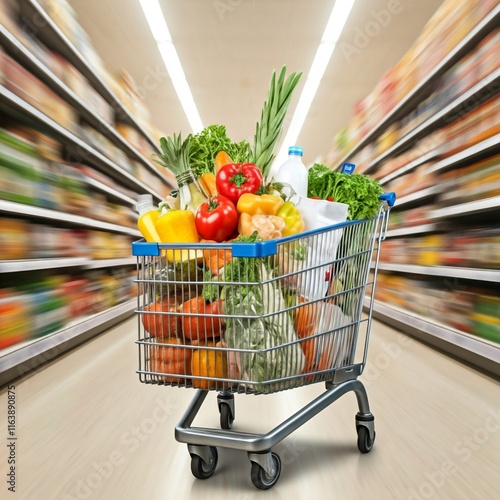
(258, 317)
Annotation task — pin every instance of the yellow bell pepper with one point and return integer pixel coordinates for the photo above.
(178, 226)
(254, 204)
(294, 223)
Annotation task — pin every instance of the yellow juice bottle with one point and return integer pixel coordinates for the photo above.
(148, 216)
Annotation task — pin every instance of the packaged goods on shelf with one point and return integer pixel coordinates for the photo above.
(14, 239)
(485, 318)
(22, 239)
(473, 247)
(416, 180)
(436, 41)
(469, 309)
(32, 90)
(42, 305)
(411, 217)
(68, 213)
(82, 88)
(473, 182)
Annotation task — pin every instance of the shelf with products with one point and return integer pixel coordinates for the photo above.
(16, 266)
(412, 80)
(470, 99)
(405, 231)
(78, 149)
(482, 148)
(481, 352)
(56, 27)
(450, 272)
(419, 195)
(438, 149)
(74, 154)
(466, 191)
(38, 303)
(44, 213)
(80, 102)
(20, 359)
(473, 135)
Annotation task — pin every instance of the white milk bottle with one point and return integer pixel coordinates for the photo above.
(293, 172)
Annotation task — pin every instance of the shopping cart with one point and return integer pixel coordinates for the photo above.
(258, 318)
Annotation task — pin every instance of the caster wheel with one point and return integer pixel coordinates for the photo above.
(261, 479)
(365, 444)
(202, 469)
(226, 417)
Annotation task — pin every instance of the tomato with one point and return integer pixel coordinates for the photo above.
(235, 179)
(216, 219)
(198, 324)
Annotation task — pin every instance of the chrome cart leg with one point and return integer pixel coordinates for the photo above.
(225, 402)
(193, 408)
(365, 421)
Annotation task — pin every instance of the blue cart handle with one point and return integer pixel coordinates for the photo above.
(390, 198)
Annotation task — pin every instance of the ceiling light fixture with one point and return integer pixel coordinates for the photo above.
(161, 34)
(333, 30)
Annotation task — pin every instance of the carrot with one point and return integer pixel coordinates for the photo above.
(207, 181)
(222, 159)
(306, 317)
(215, 259)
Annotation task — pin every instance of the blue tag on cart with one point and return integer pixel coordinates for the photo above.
(348, 168)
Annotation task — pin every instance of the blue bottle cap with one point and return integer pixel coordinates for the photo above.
(295, 150)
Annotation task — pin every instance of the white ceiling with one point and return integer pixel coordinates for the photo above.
(229, 48)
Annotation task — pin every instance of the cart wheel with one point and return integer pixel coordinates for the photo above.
(365, 444)
(261, 479)
(202, 469)
(226, 416)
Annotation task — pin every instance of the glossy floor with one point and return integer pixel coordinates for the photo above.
(87, 429)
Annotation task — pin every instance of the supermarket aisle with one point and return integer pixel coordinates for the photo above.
(89, 430)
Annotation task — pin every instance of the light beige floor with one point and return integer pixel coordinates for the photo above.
(88, 429)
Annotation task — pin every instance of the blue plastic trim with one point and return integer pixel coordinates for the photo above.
(144, 248)
(256, 249)
(390, 198)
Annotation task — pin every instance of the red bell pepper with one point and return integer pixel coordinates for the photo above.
(235, 179)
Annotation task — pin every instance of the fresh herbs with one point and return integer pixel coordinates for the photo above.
(174, 154)
(356, 190)
(210, 141)
(269, 128)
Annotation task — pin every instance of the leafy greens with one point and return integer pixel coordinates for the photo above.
(356, 190)
(211, 140)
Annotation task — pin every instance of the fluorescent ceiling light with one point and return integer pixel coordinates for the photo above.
(333, 30)
(161, 34)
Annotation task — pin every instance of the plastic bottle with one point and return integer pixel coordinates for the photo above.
(294, 172)
(148, 216)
